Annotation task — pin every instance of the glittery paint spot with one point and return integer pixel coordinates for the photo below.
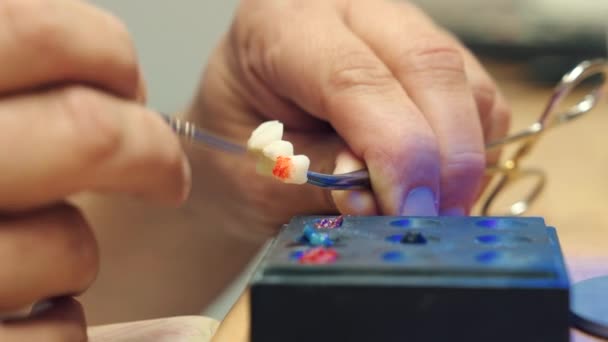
(283, 168)
(330, 223)
(319, 255)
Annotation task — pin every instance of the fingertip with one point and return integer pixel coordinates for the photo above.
(352, 202)
(153, 165)
(346, 162)
(406, 175)
(356, 203)
(420, 201)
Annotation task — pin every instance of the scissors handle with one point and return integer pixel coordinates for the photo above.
(509, 179)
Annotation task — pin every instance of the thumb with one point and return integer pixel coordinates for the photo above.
(352, 202)
(184, 328)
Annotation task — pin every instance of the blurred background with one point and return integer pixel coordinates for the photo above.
(546, 38)
(174, 38)
(550, 36)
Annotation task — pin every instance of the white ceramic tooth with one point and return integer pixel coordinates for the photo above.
(264, 166)
(263, 126)
(299, 172)
(278, 148)
(264, 134)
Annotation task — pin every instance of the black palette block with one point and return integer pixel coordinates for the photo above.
(412, 279)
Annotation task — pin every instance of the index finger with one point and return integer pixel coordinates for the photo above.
(431, 68)
(337, 78)
(46, 42)
(87, 140)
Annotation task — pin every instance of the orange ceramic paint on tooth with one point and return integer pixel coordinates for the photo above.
(275, 156)
(283, 168)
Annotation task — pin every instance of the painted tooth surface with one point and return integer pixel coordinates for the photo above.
(301, 163)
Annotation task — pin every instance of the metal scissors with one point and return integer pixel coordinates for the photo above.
(508, 170)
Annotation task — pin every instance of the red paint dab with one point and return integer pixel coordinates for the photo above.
(282, 168)
(319, 255)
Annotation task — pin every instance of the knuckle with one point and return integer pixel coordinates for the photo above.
(354, 74)
(485, 96)
(93, 133)
(442, 60)
(358, 70)
(462, 175)
(469, 164)
(80, 247)
(501, 117)
(495, 114)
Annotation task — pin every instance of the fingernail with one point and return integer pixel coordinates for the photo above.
(187, 178)
(420, 201)
(456, 211)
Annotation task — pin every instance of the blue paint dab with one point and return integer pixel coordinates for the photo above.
(488, 223)
(314, 238)
(308, 230)
(403, 223)
(296, 255)
(489, 239)
(487, 257)
(395, 238)
(392, 256)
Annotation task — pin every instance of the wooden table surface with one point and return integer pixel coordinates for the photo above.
(575, 200)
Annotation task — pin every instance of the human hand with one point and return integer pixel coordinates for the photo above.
(181, 328)
(356, 83)
(72, 120)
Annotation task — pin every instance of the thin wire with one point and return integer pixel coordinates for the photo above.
(347, 181)
(191, 132)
